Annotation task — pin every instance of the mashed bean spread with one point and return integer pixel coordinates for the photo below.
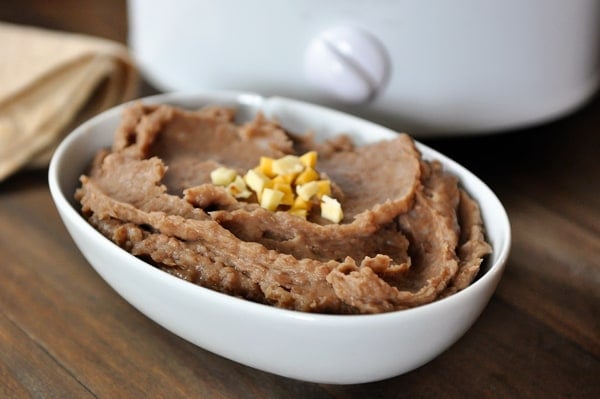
(409, 234)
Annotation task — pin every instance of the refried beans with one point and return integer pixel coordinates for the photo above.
(409, 235)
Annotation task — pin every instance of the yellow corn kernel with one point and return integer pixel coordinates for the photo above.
(222, 176)
(286, 189)
(270, 199)
(309, 159)
(309, 174)
(299, 212)
(331, 209)
(307, 190)
(324, 188)
(287, 179)
(265, 165)
(288, 164)
(300, 203)
(256, 180)
(238, 188)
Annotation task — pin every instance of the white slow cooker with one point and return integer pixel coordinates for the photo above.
(434, 67)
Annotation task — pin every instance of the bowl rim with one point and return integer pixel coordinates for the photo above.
(67, 210)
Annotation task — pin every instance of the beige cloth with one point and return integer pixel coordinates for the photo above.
(49, 83)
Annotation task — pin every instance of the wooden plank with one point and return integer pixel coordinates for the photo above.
(28, 370)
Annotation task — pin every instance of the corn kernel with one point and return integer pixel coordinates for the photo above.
(270, 199)
(309, 159)
(256, 180)
(331, 209)
(289, 164)
(266, 166)
(307, 190)
(299, 212)
(222, 176)
(238, 188)
(300, 203)
(324, 188)
(309, 174)
(288, 179)
(286, 189)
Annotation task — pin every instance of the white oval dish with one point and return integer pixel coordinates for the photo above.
(339, 349)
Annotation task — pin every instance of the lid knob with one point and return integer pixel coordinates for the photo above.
(347, 63)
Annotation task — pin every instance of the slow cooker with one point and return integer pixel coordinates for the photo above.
(434, 67)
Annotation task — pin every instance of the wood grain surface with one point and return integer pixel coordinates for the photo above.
(64, 333)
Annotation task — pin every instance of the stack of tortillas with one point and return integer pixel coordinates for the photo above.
(49, 83)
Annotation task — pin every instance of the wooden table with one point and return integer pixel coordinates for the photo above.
(64, 333)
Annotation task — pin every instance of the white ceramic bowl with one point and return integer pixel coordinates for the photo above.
(340, 349)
